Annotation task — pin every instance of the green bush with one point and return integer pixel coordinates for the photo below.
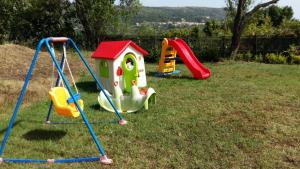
(281, 59)
(239, 56)
(259, 58)
(211, 55)
(247, 56)
(293, 50)
(275, 59)
(296, 59)
(271, 58)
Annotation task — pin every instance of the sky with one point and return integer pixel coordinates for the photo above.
(215, 3)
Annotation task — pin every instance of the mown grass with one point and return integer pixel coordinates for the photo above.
(247, 115)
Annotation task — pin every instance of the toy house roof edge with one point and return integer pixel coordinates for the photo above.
(113, 49)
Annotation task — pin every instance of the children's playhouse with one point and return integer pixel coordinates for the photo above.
(120, 68)
(120, 62)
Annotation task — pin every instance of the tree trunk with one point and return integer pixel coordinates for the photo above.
(237, 32)
(235, 45)
(240, 21)
(236, 40)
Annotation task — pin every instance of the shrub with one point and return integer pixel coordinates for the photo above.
(247, 56)
(259, 58)
(296, 59)
(281, 59)
(275, 59)
(154, 56)
(244, 56)
(293, 50)
(211, 55)
(239, 56)
(271, 58)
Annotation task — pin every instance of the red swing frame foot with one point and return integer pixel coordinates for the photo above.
(122, 122)
(105, 160)
(51, 161)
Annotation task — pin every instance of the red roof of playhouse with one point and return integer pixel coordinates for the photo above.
(113, 49)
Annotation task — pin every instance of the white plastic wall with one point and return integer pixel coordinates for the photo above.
(108, 83)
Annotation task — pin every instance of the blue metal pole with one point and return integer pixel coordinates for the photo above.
(8, 160)
(78, 160)
(56, 84)
(98, 83)
(68, 160)
(23, 91)
(73, 97)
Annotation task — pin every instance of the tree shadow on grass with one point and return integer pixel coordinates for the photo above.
(87, 86)
(40, 134)
(176, 76)
(15, 124)
(95, 107)
(98, 108)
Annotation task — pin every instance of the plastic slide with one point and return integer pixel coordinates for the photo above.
(186, 54)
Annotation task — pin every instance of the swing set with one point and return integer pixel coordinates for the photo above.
(63, 100)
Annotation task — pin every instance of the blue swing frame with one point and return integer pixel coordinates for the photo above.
(47, 42)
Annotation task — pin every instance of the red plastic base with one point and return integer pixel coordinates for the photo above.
(50, 161)
(122, 122)
(105, 160)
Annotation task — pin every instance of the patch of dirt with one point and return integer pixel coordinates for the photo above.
(15, 63)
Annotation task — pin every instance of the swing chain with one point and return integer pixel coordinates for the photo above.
(65, 62)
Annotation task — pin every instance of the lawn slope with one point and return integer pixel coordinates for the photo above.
(246, 115)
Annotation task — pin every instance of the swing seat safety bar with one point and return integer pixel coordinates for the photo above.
(77, 97)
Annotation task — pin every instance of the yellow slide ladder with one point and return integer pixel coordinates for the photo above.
(167, 62)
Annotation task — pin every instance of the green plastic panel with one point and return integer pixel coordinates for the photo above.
(130, 71)
(104, 69)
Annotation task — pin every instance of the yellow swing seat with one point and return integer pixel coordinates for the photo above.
(59, 97)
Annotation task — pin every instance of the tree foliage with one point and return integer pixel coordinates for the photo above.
(213, 27)
(278, 14)
(5, 18)
(96, 17)
(84, 20)
(127, 9)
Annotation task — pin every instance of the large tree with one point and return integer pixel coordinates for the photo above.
(96, 16)
(241, 9)
(128, 9)
(35, 18)
(5, 18)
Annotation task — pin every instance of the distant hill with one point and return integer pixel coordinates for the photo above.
(176, 14)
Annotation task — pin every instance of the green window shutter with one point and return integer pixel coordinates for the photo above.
(104, 69)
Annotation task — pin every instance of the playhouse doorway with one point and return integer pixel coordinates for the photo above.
(130, 71)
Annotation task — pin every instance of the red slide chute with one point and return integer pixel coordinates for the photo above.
(186, 54)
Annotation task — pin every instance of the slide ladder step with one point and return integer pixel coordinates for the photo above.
(170, 55)
(169, 64)
(166, 70)
(170, 59)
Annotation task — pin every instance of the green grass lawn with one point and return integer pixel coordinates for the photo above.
(247, 115)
